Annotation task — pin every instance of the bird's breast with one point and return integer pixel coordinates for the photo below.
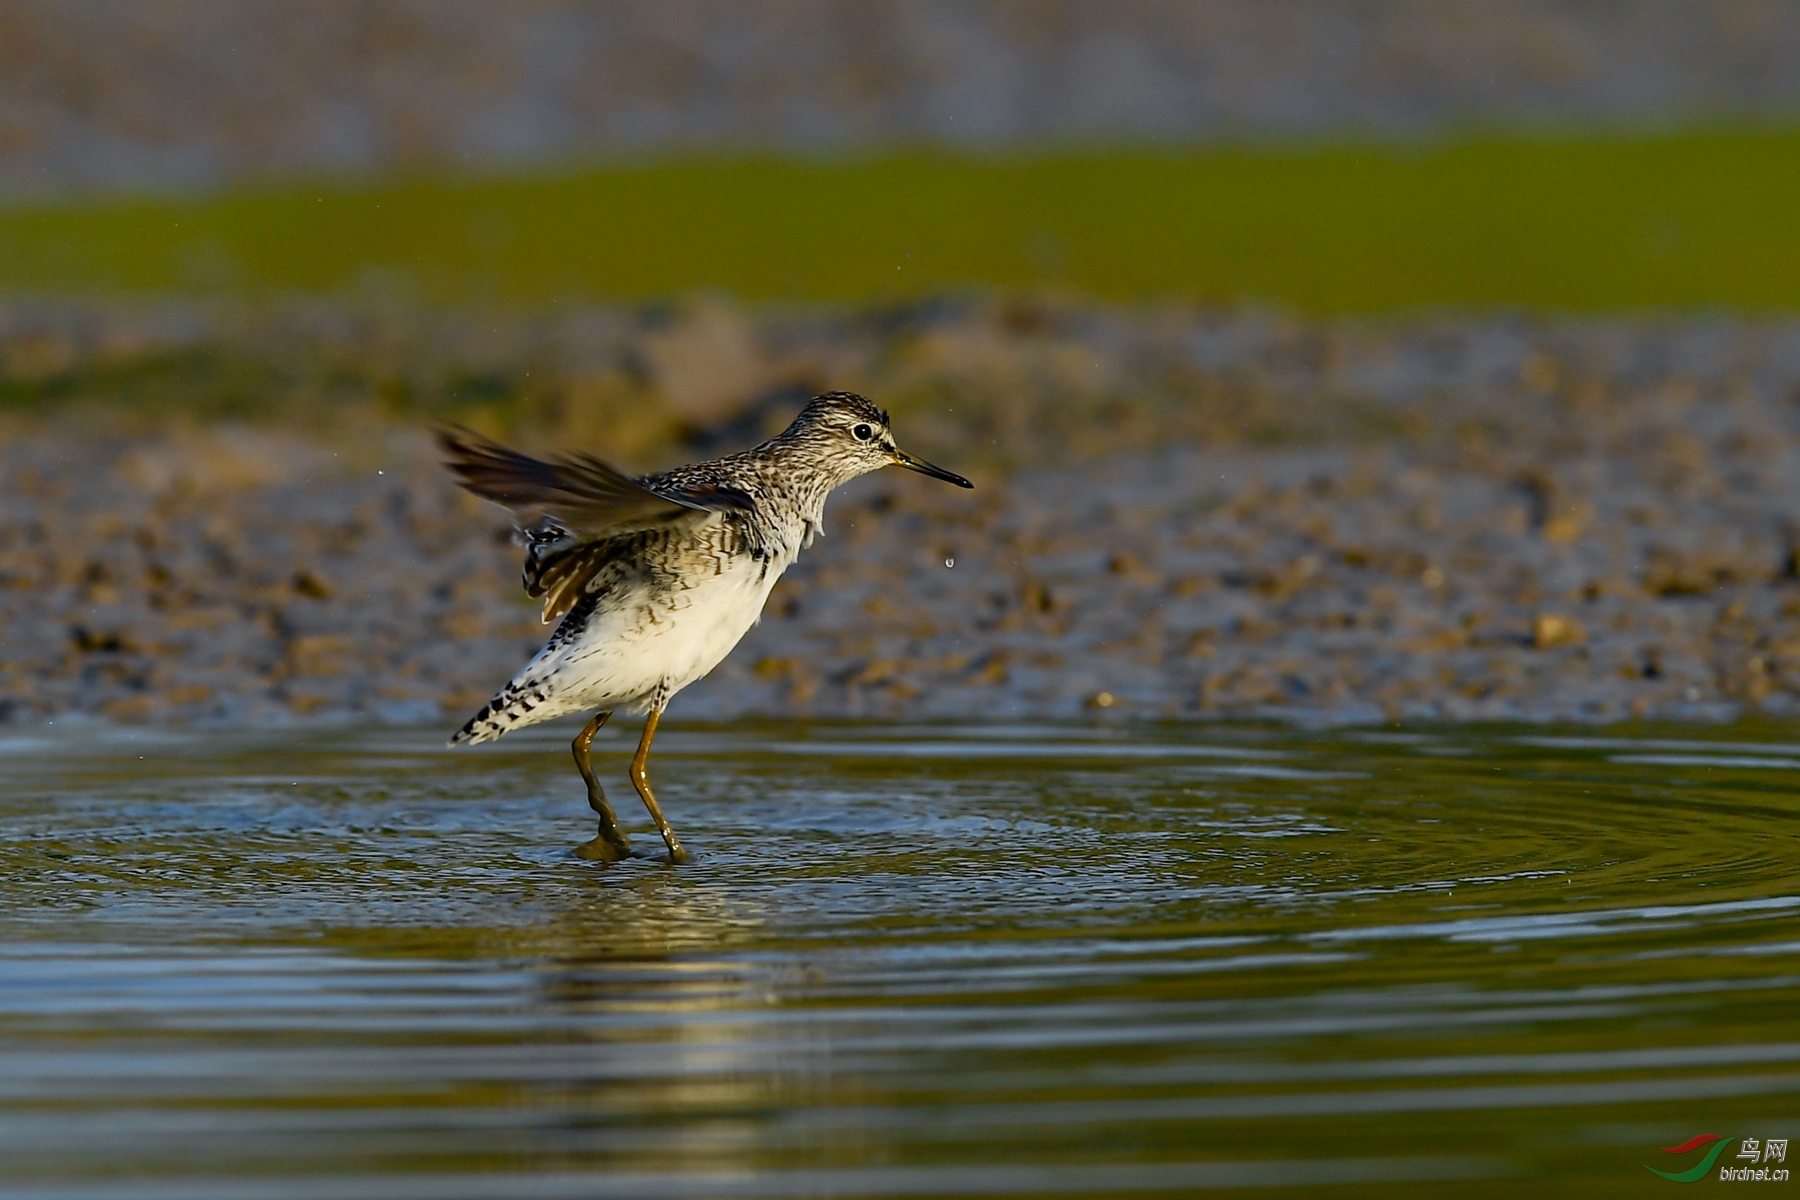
(697, 622)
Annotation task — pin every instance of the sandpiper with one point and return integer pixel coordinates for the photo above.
(655, 579)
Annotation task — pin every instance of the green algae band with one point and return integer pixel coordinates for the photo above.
(1701, 219)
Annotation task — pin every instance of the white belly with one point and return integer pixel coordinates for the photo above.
(641, 643)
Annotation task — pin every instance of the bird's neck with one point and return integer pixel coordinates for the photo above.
(798, 483)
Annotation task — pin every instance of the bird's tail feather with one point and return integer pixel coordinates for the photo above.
(512, 707)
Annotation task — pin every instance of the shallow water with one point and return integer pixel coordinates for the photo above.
(907, 961)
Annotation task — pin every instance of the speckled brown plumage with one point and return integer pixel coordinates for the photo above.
(656, 579)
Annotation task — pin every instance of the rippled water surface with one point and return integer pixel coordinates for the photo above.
(906, 962)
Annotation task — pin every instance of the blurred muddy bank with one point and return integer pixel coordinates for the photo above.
(158, 93)
(1180, 514)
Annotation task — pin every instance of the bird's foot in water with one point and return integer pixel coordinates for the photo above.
(602, 850)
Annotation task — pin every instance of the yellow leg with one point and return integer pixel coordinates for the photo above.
(640, 779)
(610, 845)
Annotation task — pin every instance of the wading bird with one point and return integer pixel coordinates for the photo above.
(655, 579)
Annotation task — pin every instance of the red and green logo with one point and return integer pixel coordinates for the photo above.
(1717, 1141)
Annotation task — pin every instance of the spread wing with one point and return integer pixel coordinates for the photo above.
(580, 493)
(574, 509)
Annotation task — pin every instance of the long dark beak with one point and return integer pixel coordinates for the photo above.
(914, 463)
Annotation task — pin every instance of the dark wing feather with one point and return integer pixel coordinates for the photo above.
(582, 494)
(579, 507)
(563, 575)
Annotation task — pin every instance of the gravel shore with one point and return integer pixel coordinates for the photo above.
(160, 93)
(1178, 515)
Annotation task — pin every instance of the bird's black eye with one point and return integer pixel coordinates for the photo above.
(862, 433)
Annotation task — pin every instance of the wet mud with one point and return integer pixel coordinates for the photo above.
(1178, 515)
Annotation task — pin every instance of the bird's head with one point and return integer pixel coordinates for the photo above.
(848, 436)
